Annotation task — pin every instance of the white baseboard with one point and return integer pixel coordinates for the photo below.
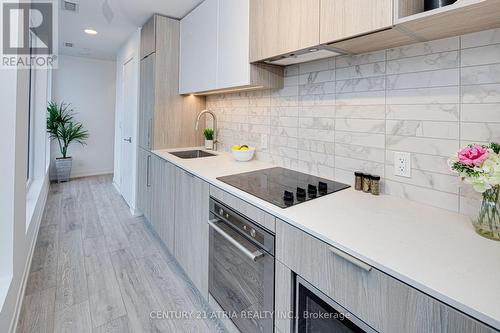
(117, 187)
(88, 173)
(37, 219)
(91, 173)
(135, 212)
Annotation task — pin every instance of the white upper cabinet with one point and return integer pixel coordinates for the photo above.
(198, 56)
(233, 68)
(215, 50)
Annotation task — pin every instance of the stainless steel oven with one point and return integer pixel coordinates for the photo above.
(241, 269)
(317, 313)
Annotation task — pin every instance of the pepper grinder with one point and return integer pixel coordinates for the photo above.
(375, 185)
(358, 181)
(367, 179)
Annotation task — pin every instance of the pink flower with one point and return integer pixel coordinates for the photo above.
(473, 156)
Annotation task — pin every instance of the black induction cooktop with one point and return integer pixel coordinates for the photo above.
(283, 187)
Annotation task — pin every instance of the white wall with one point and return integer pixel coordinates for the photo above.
(8, 81)
(21, 207)
(89, 85)
(130, 51)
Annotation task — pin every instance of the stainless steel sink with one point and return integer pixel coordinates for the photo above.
(191, 154)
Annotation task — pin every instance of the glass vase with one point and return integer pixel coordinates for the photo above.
(487, 223)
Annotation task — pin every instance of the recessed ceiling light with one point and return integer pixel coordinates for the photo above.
(90, 31)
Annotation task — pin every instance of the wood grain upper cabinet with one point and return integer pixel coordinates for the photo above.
(341, 19)
(282, 26)
(459, 18)
(166, 119)
(198, 57)
(146, 99)
(148, 37)
(191, 227)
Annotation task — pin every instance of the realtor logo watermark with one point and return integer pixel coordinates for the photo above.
(29, 34)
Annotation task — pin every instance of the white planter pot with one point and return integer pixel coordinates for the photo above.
(63, 169)
(209, 144)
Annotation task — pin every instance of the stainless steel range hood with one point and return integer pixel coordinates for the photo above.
(311, 54)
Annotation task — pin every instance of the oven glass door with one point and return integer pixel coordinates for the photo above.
(317, 313)
(243, 286)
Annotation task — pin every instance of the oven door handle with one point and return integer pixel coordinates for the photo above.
(256, 255)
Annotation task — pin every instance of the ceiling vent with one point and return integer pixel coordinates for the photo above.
(68, 44)
(70, 6)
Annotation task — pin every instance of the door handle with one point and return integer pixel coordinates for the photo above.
(356, 262)
(129, 140)
(252, 255)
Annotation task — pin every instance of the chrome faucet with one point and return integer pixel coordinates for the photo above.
(197, 125)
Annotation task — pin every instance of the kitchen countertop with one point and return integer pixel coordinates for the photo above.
(431, 249)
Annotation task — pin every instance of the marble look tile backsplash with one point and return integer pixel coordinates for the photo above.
(338, 115)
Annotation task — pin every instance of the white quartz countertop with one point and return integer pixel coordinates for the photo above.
(431, 249)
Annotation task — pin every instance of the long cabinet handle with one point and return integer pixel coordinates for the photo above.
(356, 262)
(252, 255)
(147, 171)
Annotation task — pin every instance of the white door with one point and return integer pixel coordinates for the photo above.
(128, 136)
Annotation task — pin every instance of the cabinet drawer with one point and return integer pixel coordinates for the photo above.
(259, 216)
(384, 303)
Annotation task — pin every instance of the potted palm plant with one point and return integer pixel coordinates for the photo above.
(62, 127)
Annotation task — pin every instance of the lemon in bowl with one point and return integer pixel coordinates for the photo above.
(243, 153)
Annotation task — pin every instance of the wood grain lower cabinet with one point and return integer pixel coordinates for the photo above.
(384, 303)
(162, 203)
(144, 193)
(191, 227)
(283, 296)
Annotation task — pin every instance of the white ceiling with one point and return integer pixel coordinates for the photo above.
(114, 20)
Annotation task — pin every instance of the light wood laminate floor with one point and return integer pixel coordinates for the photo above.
(96, 268)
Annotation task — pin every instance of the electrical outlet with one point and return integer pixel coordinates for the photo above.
(402, 164)
(263, 142)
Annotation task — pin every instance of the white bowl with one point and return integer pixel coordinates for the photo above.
(243, 155)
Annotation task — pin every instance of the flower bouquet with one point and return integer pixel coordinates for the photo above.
(479, 166)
